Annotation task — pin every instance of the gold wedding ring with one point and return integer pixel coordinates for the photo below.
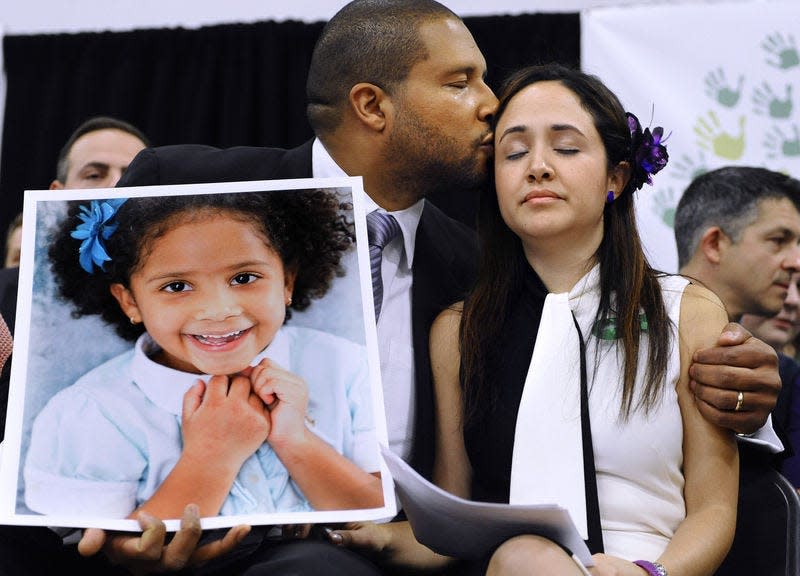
(739, 401)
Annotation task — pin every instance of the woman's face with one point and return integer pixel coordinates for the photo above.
(211, 293)
(550, 167)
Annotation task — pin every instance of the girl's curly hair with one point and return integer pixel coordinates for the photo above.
(306, 228)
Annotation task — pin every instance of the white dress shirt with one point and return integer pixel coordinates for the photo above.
(395, 339)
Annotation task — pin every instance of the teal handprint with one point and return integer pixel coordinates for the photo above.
(717, 88)
(711, 137)
(777, 143)
(785, 51)
(690, 168)
(664, 206)
(765, 100)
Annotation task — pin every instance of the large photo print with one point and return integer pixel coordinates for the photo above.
(211, 344)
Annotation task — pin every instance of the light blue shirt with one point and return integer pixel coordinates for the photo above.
(102, 446)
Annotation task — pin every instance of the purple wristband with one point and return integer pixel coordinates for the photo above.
(652, 568)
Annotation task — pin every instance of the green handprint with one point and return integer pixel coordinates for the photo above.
(711, 137)
(765, 99)
(689, 168)
(664, 206)
(776, 141)
(786, 51)
(718, 89)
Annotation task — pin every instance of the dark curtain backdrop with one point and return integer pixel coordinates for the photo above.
(221, 85)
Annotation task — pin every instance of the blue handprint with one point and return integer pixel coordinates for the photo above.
(785, 51)
(690, 168)
(777, 143)
(766, 101)
(664, 206)
(718, 89)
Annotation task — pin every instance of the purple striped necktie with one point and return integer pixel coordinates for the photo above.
(381, 228)
(6, 343)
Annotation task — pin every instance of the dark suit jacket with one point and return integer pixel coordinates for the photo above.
(444, 263)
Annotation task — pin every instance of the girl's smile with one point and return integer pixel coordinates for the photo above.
(211, 292)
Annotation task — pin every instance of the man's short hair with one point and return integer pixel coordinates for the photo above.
(375, 41)
(727, 197)
(93, 125)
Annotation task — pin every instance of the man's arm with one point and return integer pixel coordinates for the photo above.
(738, 363)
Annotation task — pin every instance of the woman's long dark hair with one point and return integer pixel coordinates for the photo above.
(625, 273)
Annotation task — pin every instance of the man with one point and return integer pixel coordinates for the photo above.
(737, 229)
(395, 95)
(96, 154)
(781, 329)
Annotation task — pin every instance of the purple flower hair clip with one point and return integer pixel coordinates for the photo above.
(97, 227)
(648, 153)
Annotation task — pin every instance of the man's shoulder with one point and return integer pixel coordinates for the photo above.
(436, 222)
(198, 163)
(444, 243)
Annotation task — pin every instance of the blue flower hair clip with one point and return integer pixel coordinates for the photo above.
(648, 153)
(97, 227)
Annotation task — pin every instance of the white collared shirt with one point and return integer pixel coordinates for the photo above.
(395, 338)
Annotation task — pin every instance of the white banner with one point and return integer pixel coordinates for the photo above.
(723, 78)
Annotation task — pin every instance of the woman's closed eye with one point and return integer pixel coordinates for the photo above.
(515, 154)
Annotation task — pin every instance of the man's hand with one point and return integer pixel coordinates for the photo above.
(148, 552)
(739, 363)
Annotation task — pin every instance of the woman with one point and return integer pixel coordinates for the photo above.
(566, 305)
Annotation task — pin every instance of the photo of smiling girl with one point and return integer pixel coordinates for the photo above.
(219, 403)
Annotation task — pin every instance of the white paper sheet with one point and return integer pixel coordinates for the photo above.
(467, 529)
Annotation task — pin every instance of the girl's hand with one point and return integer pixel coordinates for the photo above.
(286, 397)
(224, 422)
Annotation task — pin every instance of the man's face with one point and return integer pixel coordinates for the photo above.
(778, 330)
(98, 159)
(442, 135)
(756, 271)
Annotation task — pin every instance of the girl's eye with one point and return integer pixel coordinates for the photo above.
(177, 286)
(244, 278)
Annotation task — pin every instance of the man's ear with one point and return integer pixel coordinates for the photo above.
(371, 105)
(713, 244)
(127, 302)
(56, 185)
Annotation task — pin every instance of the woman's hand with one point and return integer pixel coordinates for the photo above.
(612, 566)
